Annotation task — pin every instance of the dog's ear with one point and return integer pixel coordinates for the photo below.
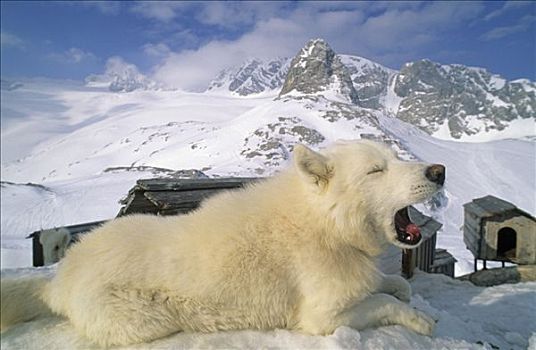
(313, 166)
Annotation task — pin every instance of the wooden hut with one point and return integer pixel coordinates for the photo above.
(497, 230)
(175, 196)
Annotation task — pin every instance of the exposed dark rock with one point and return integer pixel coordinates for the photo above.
(316, 69)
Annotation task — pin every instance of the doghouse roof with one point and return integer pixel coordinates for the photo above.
(489, 206)
(428, 226)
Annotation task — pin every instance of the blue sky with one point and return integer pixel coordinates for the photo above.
(186, 43)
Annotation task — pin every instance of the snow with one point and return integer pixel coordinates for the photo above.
(391, 100)
(496, 82)
(526, 84)
(59, 140)
(335, 91)
(253, 78)
(121, 76)
(361, 64)
(89, 130)
(468, 317)
(27, 208)
(496, 101)
(516, 129)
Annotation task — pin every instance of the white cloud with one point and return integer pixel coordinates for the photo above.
(501, 32)
(156, 50)
(234, 14)
(163, 11)
(73, 55)
(11, 40)
(116, 65)
(106, 7)
(400, 30)
(508, 5)
(393, 32)
(218, 13)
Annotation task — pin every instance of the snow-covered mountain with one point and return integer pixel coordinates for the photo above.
(318, 70)
(461, 101)
(86, 144)
(253, 77)
(370, 81)
(120, 76)
(452, 102)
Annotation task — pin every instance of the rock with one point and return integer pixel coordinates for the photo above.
(469, 100)
(493, 277)
(316, 69)
(253, 77)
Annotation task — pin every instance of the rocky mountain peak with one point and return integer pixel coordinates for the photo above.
(449, 101)
(252, 77)
(317, 69)
(458, 101)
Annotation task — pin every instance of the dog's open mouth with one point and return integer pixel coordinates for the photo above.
(406, 231)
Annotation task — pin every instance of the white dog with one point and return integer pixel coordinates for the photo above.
(296, 251)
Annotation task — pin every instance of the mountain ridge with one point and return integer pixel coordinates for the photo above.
(346, 97)
(449, 101)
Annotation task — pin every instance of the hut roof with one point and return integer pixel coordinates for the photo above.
(73, 229)
(490, 206)
(168, 196)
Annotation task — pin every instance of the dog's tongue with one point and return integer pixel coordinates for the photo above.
(413, 231)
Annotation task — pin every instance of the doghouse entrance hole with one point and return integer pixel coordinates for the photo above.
(506, 242)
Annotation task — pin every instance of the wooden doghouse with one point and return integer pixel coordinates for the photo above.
(427, 257)
(172, 196)
(497, 230)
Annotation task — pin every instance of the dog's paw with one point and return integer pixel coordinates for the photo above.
(403, 293)
(421, 323)
(402, 289)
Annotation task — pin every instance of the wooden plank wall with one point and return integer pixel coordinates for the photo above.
(175, 196)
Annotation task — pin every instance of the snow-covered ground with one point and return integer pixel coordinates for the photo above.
(468, 317)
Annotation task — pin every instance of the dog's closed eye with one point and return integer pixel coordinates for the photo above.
(376, 169)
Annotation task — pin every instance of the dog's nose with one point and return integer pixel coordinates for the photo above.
(436, 173)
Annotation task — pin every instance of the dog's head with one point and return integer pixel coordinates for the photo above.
(366, 190)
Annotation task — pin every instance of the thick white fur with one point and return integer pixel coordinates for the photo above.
(21, 300)
(296, 251)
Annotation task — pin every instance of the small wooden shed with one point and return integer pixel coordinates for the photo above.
(495, 229)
